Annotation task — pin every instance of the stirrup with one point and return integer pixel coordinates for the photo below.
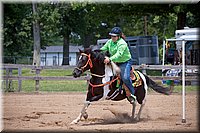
(132, 99)
(120, 90)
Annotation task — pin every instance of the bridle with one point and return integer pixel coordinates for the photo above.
(89, 61)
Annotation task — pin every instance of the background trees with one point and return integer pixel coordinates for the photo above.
(17, 30)
(84, 23)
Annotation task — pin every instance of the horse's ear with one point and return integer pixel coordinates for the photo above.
(80, 51)
(88, 50)
(91, 46)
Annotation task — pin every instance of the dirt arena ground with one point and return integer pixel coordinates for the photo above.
(55, 111)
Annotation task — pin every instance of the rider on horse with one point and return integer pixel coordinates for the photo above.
(121, 55)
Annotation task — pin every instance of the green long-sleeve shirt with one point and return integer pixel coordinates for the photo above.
(119, 50)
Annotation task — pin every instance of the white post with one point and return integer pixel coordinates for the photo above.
(163, 63)
(183, 81)
(163, 59)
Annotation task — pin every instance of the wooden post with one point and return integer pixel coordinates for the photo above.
(37, 81)
(19, 80)
(7, 74)
(144, 68)
(88, 78)
(10, 80)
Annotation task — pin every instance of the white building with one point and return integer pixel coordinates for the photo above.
(53, 55)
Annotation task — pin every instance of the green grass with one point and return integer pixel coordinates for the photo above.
(187, 88)
(154, 72)
(62, 85)
(50, 86)
(44, 72)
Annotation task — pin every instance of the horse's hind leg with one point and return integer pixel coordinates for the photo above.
(133, 110)
(83, 113)
(137, 118)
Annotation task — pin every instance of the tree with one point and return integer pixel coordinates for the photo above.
(86, 22)
(36, 37)
(17, 29)
(66, 22)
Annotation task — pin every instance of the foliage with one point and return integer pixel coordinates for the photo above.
(17, 30)
(83, 23)
(49, 23)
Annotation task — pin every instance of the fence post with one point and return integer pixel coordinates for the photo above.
(19, 80)
(7, 81)
(144, 68)
(37, 81)
(88, 78)
(10, 81)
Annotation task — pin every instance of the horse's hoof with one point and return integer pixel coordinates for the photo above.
(73, 122)
(137, 119)
(85, 115)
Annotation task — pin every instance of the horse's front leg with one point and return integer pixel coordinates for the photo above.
(83, 113)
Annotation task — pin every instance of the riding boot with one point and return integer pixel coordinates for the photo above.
(120, 89)
(120, 86)
(132, 98)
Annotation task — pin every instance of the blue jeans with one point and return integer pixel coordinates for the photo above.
(125, 74)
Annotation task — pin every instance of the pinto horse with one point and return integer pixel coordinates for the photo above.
(104, 83)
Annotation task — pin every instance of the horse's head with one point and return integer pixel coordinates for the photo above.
(84, 62)
(93, 60)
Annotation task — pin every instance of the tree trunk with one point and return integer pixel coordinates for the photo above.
(87, 42)
(145, 26)
(36, 37)
(65, 50)
(181, 21)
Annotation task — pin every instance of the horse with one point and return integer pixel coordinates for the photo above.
(104, 83)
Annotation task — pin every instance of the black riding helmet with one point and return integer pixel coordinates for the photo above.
(116, 31)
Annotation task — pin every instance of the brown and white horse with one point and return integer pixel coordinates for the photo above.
(104, 85)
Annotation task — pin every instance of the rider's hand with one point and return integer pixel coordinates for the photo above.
(106, 60)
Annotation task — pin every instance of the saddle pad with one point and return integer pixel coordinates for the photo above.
(137, 81)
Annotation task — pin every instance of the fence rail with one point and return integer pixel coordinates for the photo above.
(149, 67)
(42, 78)
(37, 78)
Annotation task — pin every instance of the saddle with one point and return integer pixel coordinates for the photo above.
(134, 75)
(136, 81)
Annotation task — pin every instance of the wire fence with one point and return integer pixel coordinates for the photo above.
(18, 60)
(44, 61)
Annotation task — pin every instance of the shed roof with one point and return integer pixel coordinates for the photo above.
(186, 38)
(56, 49)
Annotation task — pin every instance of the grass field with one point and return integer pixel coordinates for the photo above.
(64, 86)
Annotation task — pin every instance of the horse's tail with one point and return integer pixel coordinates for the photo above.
(156, 87)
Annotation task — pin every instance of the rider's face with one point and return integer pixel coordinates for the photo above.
(114, 38)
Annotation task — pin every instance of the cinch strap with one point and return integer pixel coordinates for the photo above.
(100, 85)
